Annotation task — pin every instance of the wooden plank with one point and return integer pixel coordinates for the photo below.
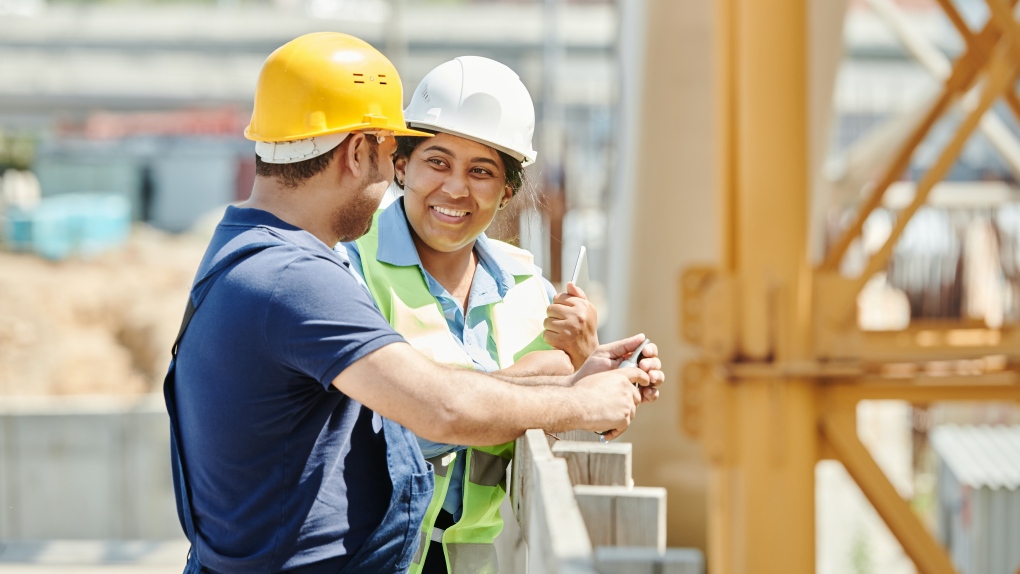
(598, 508)
(579, 436)
(553, 528)
(621, 516)
(620, 560)
(600, 464)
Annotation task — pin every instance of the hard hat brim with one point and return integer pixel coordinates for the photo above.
(407, 131)
(525, 160)
(412, 132)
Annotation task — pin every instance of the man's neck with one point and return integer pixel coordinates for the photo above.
(292, 206)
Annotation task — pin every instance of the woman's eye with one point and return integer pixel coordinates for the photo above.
(482, 171)
(436, 161)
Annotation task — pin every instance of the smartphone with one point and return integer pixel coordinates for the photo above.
(580, 275)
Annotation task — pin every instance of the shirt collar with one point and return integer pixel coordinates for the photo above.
(396, 247)
(247, 217)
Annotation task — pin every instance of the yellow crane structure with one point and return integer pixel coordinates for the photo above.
(782, 362)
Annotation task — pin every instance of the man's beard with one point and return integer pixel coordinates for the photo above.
(353, 220)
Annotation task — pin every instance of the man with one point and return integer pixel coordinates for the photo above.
(289, 389)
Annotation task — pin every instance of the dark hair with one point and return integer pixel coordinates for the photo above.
(516, 178)
(292, 175)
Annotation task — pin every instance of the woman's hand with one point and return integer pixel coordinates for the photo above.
(571, 325)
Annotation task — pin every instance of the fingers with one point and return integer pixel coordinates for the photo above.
(650, 350)
(557, 311)
(623, 347)
(613, 434)
(653, 367)
(560, 326)
(636, 376)
(649, 394)
(572, 292)
(561, 299)
(575, 291)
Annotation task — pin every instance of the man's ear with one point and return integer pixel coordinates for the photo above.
(353, 156)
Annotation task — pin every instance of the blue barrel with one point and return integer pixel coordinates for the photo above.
(84, 224)
(17, 229)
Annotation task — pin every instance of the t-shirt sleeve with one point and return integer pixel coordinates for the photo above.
(320, 320)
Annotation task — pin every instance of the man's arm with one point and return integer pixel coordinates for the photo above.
(551, 367)
(457, 406)
(536, 367)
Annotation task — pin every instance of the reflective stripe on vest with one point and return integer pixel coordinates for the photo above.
(487, 469)
(474, 558)
(516, 327)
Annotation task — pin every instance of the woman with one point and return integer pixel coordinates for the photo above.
(460, 297)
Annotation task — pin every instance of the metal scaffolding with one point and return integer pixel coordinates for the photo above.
(782, 361)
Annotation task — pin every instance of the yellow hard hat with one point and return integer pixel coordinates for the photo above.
(326, 83)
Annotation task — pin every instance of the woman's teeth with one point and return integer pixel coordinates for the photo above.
(449, 212)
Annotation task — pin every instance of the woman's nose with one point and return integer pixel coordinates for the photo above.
(455, 186)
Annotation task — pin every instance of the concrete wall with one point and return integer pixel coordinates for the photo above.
(666, 220)
(86, 467)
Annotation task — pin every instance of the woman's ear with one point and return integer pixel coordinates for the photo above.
(508, 194)
(400, 170)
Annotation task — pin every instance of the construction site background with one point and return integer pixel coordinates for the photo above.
(145, 102)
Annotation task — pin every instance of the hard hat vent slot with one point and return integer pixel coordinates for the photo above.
(381, 83)
(357, 80)
(425, 94)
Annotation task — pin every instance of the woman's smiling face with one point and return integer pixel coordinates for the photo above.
(453, 188)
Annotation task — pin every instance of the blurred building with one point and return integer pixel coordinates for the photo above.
(979, 496)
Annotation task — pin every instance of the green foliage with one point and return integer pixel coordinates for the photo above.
(16, 151)
(860, 554)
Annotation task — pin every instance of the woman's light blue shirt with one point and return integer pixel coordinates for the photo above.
(494, 276)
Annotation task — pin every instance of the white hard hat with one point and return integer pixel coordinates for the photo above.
(478, 99)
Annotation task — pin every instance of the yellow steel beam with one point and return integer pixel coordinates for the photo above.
(962, 77)
(1003, 18)
(771, 175)
(968, 37)
(921, 342)
(764, 431)
(966, 34)
(928, 555)
(932, 391)
(762, 517)
(726, 152)
(1000, 73)
(761, 495)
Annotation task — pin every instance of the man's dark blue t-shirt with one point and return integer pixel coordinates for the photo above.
(284, 470)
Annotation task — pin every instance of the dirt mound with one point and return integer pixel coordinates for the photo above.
(103, 326)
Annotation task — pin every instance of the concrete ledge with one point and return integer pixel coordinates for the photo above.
(86, 468)
(92, 556)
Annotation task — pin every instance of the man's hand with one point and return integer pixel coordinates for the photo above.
(571, 325)
(609, 356)
(613, 398)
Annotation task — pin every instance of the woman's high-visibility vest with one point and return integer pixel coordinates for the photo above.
(516, 324)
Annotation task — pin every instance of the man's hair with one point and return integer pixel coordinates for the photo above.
(292, 175)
